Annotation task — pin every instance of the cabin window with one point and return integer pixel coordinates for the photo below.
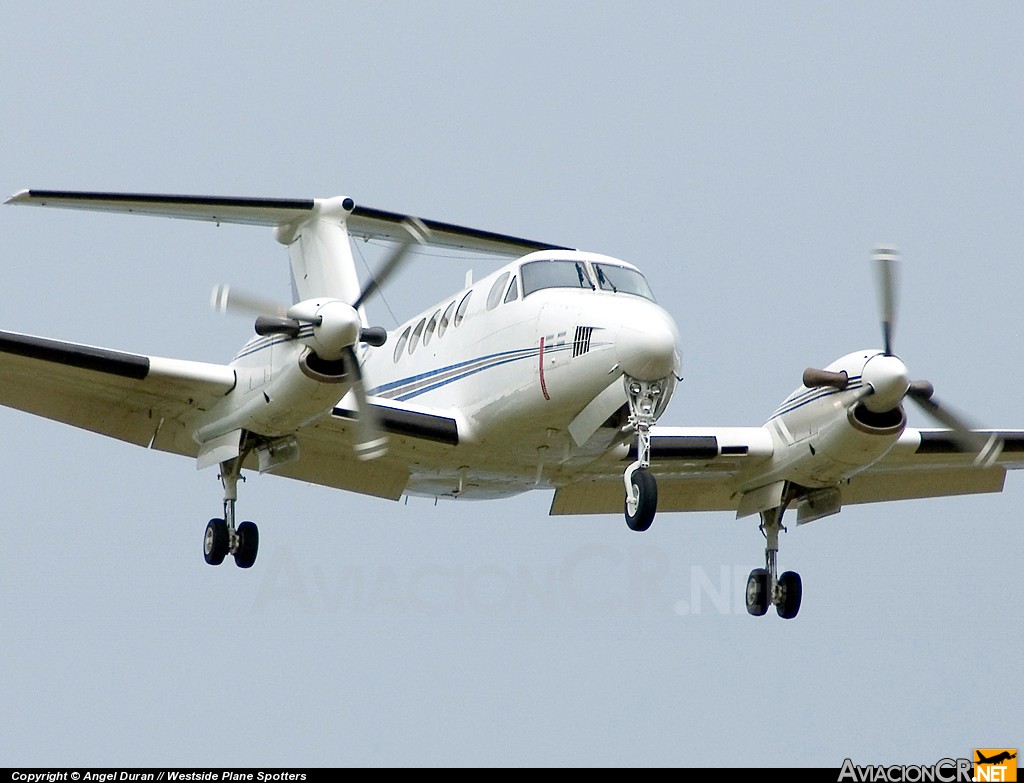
(446, 318)
(460, 314)
(400, 345)
(555, 274)
(622, 280)
(513, 292)
(494, 297)
(414, 339)
(431, 326)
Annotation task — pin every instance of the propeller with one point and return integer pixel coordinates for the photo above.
(332, 328)
(886, 378)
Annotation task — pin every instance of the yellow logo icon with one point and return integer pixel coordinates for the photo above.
(998, 765)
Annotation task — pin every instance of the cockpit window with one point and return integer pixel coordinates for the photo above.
(622, 280)
(554, 274)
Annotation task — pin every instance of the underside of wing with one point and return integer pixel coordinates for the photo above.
(155, 402)
(327, 455)
(697, 469)
(709, 470)
(145, 400)
(933, 463)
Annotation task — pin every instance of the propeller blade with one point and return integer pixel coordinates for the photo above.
(371, 442)
(416, 234)
(373, 335)
(271, 324)
(814, 378)
(986, 446)
(885, 259)
(224, 298)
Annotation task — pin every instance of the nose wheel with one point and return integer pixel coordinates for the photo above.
(642, 500)
(764, 586)
(222, 538)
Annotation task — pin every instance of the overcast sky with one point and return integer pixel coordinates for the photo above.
(746, 156)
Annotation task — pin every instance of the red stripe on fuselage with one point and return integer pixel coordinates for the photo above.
(543, 386)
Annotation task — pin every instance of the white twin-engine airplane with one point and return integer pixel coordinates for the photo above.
(549, 373)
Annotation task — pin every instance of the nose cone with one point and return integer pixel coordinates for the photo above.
(890, 380)
(646, 343)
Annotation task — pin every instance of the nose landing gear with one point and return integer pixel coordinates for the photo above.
(641, 486)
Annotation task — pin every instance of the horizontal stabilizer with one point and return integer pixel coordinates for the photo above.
(362, 222)
(217, 209)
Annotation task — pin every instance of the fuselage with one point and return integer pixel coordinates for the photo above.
(516, 358)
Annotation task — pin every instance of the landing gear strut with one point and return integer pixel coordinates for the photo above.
(222, 537)
(764, 586)
(641, 486)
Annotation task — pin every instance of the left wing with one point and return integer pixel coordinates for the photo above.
(707, 469)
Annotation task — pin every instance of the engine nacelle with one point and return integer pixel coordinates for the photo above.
(282, 386)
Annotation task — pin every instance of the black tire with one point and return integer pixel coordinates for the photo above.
(757, 592)
(792, 590)
(248, 545)
(647, 501)
(215, 542)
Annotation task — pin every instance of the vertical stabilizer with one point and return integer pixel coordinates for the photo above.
(321, 253)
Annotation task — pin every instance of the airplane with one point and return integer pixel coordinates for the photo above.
(550, 373)
(999, 758)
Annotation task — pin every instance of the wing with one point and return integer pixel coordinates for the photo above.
(698, 469)
(929, 463)
(706, 470)
(363, 222)
(326, 453)
(145, 400)
(157, 403)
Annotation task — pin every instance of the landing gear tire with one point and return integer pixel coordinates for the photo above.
(248, 545)
(640, 514)
(758, 593)
(216, 542)
(790, 592)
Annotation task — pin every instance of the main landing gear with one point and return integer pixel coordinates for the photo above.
(222, 537)
(764, 586)
(641, 486)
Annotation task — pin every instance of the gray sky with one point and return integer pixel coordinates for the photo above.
(746, 156)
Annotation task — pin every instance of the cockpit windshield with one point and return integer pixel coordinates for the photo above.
(554, 274)
(623, 280)
(537, 275)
